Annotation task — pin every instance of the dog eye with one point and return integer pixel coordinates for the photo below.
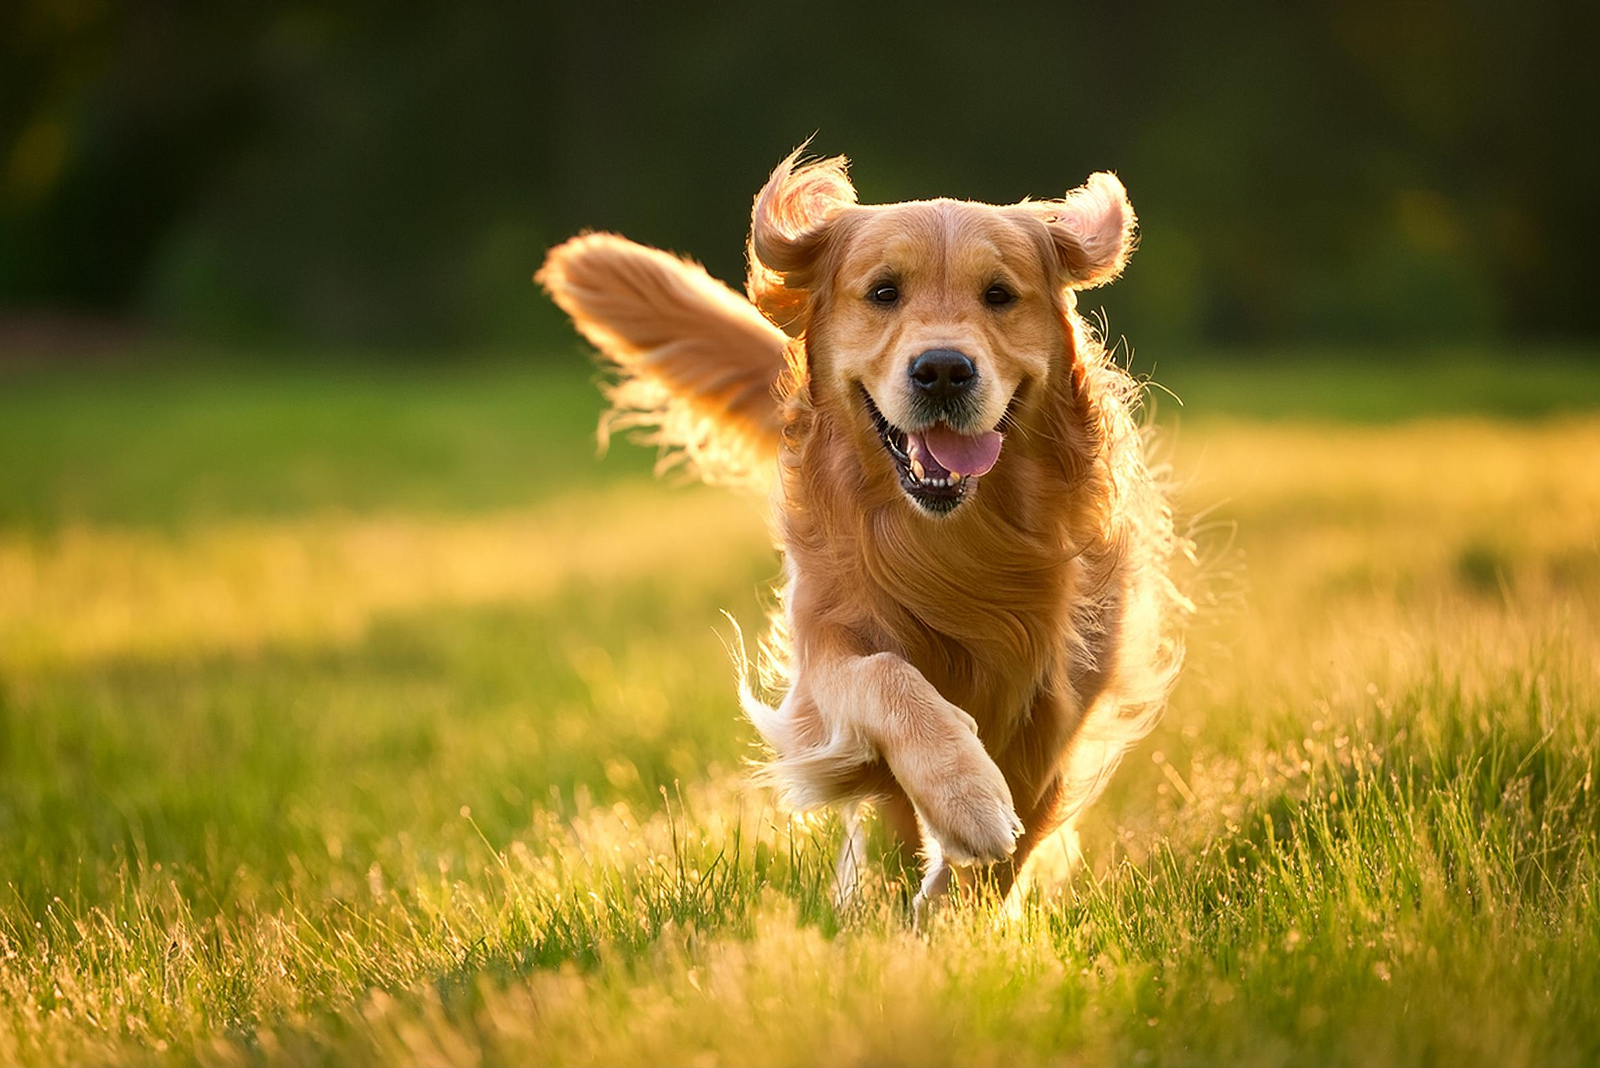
(883, 293)
(998, 295)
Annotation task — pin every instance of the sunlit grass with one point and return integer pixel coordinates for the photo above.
(86, 593)
(442, 780)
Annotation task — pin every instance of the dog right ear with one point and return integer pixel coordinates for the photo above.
(793, 216)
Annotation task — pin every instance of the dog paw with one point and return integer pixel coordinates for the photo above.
(967, 806)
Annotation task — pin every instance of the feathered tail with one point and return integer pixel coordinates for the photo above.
(697, 366)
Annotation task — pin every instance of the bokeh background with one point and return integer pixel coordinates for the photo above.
(390, 174)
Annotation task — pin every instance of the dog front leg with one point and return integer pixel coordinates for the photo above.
(930, 746)
(935, 884)
(997, 879)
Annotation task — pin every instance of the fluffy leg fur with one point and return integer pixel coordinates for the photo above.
(885, 706)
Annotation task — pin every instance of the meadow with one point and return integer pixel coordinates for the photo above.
(355, 713)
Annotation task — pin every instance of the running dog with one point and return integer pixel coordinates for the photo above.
(976, 620)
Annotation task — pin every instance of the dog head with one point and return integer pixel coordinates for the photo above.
(929, 324)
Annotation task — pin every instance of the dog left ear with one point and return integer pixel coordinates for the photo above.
(1093, 229)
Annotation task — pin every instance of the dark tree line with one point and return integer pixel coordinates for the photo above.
(392, 172)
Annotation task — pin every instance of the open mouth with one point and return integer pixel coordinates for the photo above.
(938, 467)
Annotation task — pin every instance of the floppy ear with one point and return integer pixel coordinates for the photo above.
(1092, 228)
(788, 228)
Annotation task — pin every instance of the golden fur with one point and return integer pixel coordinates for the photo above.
(979, 674)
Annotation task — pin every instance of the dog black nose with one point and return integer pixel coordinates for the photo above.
(943, 373)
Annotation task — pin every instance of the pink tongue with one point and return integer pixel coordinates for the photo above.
(961, 454)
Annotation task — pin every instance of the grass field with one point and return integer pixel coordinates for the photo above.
(355, 715)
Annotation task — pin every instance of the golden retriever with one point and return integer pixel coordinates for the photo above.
(976, 620)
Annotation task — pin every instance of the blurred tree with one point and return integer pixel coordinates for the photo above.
(392, 172)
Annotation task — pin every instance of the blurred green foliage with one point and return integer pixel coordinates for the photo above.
(392, 173)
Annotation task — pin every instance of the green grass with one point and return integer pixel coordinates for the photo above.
(178, 444)
(358, 715)
(175, 443)
(1375, 386)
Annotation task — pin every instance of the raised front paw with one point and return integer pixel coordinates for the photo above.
(963, 799)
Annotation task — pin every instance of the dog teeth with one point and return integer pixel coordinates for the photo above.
(919, 474)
